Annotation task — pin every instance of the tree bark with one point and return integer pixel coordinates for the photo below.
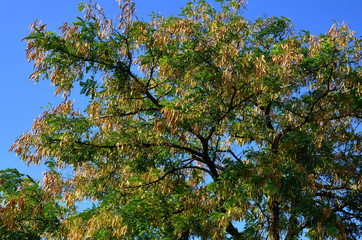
(234, 232)
(293, 225)
(274, 219)
(185, 236)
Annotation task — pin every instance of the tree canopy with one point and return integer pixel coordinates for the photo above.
(195, 122)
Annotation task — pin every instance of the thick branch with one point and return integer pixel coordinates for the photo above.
(233, 231)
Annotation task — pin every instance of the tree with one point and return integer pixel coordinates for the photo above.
(26, 211)
(199, 121)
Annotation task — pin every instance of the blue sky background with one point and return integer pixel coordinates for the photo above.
(21, 100)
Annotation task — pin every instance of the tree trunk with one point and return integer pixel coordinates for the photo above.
(273, 219)
(234, 232)
(185, 236)
(293, 224)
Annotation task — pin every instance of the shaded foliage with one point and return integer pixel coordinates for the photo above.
(27, 211)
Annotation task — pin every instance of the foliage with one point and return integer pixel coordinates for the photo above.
(198, 121)
(27, 212)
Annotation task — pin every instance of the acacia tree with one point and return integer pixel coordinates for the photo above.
(199, 121)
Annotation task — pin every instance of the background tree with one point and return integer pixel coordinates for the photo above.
(26, 212)
(197, 121)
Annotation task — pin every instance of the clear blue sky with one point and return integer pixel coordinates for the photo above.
(21, 100)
